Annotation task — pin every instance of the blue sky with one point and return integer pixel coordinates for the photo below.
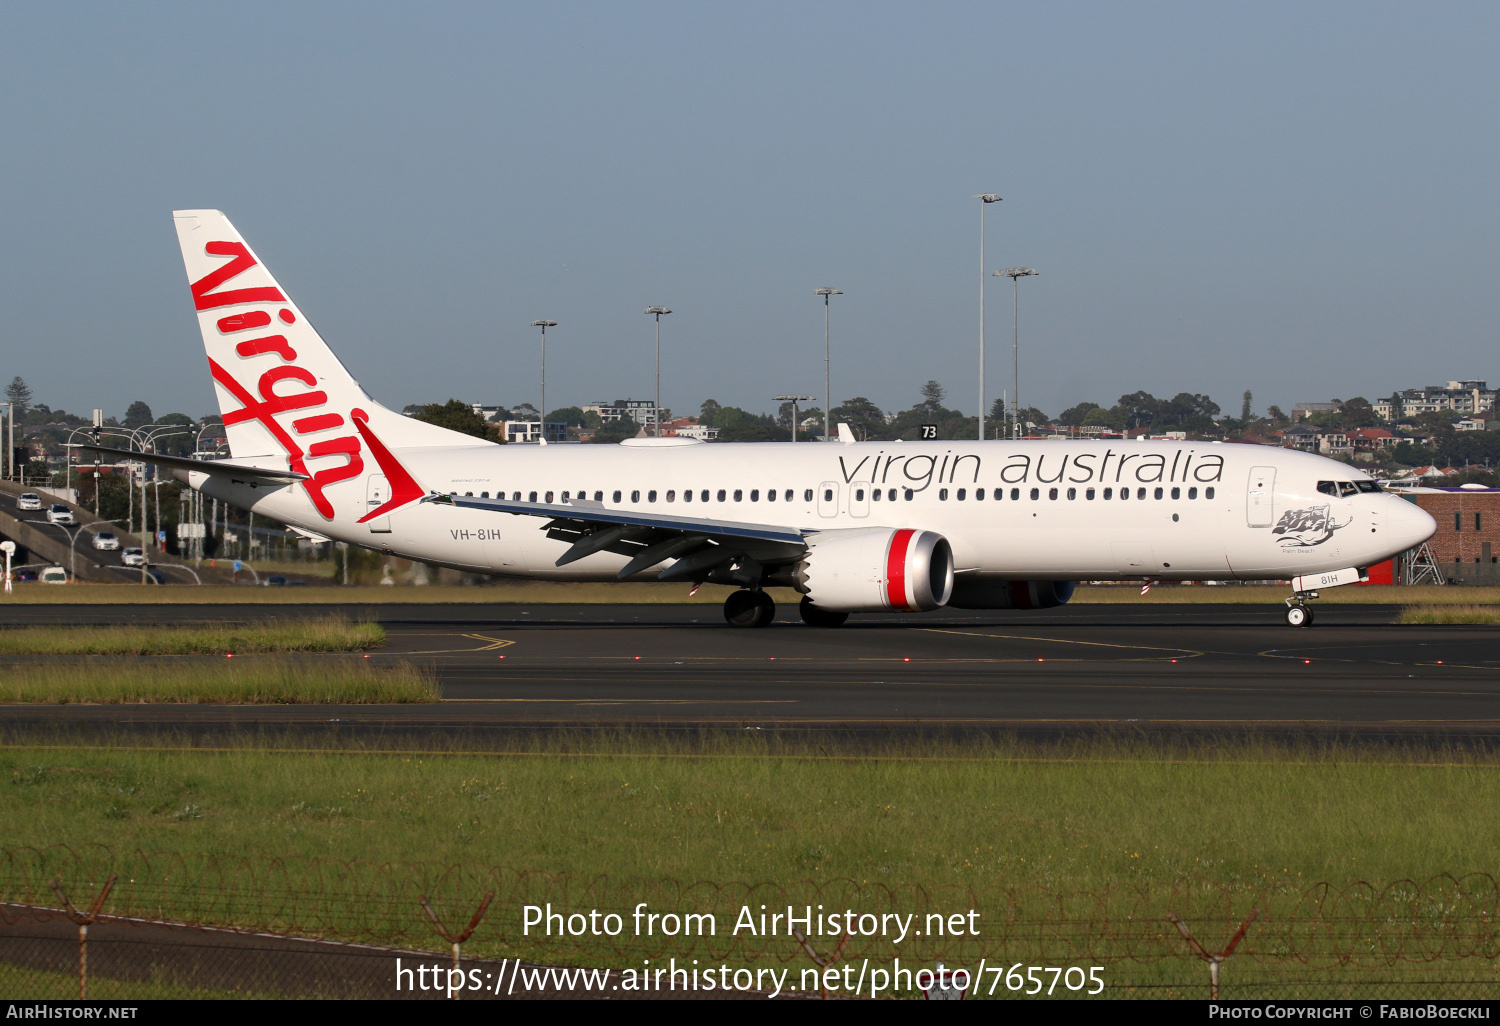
(1296, 198)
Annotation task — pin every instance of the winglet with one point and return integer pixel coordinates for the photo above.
(846, 435)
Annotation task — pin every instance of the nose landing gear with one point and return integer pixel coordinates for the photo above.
(1297, 613)
(746, 608)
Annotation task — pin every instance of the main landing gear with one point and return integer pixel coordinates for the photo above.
(746, 608)
(1297, 613)
(815, 617)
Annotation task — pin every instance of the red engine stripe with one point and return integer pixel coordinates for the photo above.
(895, 569)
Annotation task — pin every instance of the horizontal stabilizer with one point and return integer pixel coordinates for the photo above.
(218, 468)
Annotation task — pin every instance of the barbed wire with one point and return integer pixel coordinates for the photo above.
(1407, 932)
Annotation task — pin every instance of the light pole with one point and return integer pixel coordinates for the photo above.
(827, 389)
(544, 325)
(10, 448)
(794, 400)
(657, 312)
(985, 199)
(9, 548)
(1015, 274)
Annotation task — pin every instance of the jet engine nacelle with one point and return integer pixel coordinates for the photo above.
(867, 570)
(991, 594)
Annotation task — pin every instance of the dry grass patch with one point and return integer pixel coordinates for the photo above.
(321, 634)
(242, 681)
(1467, 613)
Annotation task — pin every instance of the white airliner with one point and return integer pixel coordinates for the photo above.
(852, 526)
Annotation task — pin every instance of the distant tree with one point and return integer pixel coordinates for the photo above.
(864, 418)
(412, 409)
(1247, 412)
(1357, 413)
(1033, 417)
(1395, 401)
(615, 431)
(19, 393)
(1140, 409)
(1186, 411)
(1436, 421)
(138, 415)
(725, 416)
(753, 431)
(708, 411)
(1275, 416)
(932, 397)
(1099, 417)
(591, 420)
(1074, 415)
(569, 415)
(524, 411)
(457, 415)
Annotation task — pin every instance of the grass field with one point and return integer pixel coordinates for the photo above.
(1097, 841)
(1079, 818)
(39, 985)
(316, 634)
(1450, 614)
(545, 592)
(243, 680)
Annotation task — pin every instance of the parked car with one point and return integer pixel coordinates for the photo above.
(29, 500)
(106, 540)
(275, 581)
(133, 557)
(25, 575)
(54, 575)
(57, 513)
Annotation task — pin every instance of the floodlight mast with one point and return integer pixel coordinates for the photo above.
(542, 414)
(1014, 274)
(827, 389)
(794, 400)
(985, 198)
(658, 312)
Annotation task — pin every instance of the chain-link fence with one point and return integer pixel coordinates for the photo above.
(202, 925)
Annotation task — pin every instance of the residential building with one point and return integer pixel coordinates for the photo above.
(1470, 396)
(642, 411)
(702, 432)
(1302, 411)
(531, 431)
(1372, 439)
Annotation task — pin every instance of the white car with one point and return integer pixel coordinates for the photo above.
(57, 513)
(29, 500)
(54, 575)
(133, 557)
(106, 541)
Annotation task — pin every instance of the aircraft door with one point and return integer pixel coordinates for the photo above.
(828, 499)
(377, 493)
(859, 499)
(1260, 497)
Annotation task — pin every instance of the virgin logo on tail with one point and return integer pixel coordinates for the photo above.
(299, 392)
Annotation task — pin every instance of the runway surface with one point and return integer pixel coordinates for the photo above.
(1190, 668)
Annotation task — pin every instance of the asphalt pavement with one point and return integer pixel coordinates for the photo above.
(1084, 668)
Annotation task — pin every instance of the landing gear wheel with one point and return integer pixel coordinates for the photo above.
(815, 617)
(1299, 616)
(749, 609)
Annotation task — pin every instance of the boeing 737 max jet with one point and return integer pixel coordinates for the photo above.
(853, 527)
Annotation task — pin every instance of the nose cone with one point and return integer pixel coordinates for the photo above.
(1409, 524)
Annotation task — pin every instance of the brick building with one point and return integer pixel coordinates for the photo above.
(1467, 543)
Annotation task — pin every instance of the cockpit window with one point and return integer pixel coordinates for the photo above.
(1367, 486)
(1328, 488)
(1347, 488)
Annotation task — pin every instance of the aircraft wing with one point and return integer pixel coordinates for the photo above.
(702, 547)
(218, 468)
